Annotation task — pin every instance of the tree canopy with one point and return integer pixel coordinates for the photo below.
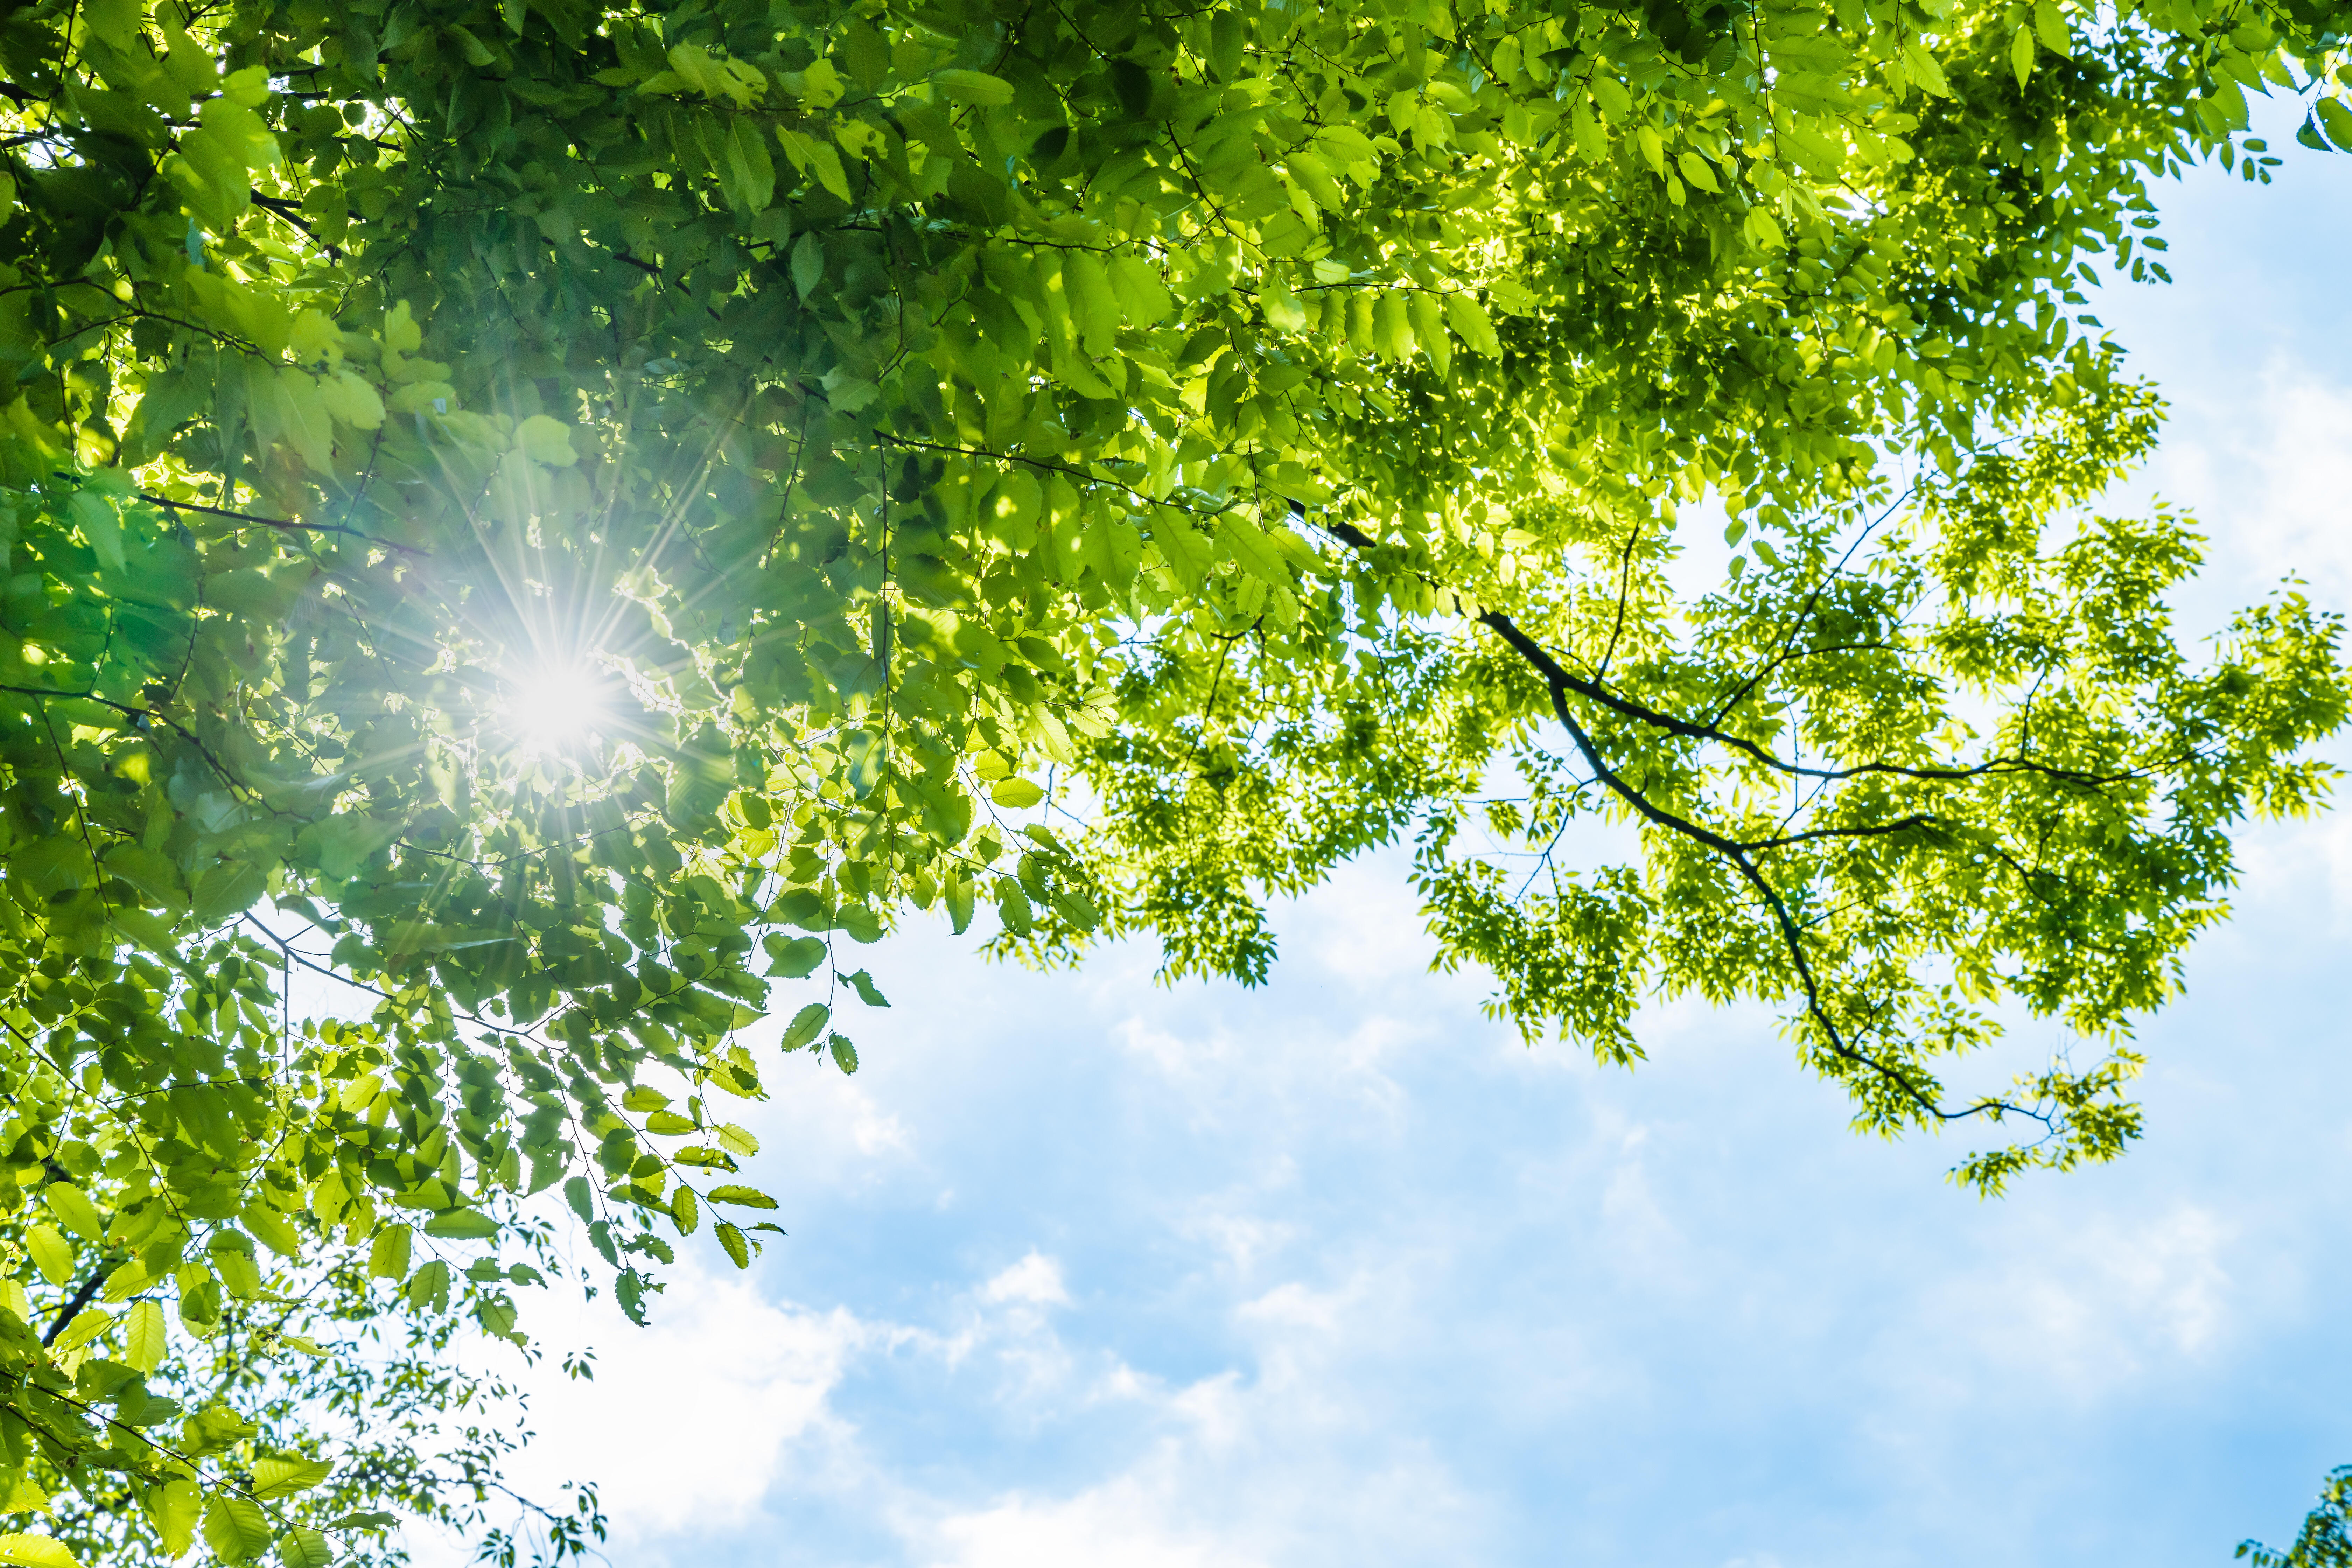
(565, 516)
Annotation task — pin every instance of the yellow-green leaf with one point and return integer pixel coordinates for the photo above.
(388, 1257)
(462, 1225)
(1696, 170)
(174, 1505)
(546, 440)
(146, 1336)
(36, 1552)
(278, 1475)
(275, 1230)
(52, 1254)
(1924, 68)
(235, 1529)
(86, 1327)
(1015, 794)
(2051, 26)
(26, 1496)
(2337, 120)
(1468, 319)
(305, 1548)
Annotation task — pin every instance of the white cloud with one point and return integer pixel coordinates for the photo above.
(684, 1424)
(1294, 1306)
(2266, 467)
(725, 1381)
(1123, 1524)
(2085, 1308)
(1036, 1280)
(1243, 1237)
(1246, 1474)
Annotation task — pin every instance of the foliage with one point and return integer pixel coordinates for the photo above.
(1106, 462)
(2325, 1539)
(329, 1401)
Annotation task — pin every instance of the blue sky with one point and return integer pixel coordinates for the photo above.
(1084, 1271)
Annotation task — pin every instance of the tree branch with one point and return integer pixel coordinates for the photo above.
(289, 524)
(80, 1299)
(1561, 684)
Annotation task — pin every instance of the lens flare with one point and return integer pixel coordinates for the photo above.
(558, 706)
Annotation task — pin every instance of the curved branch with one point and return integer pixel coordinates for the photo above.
(1560, 683)
(288, 524)
(1690, 730)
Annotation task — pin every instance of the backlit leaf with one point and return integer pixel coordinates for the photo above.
(145, 1336)
(36, 1552)
(281, 1476)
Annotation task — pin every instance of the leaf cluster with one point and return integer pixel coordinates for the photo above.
(1089, 469)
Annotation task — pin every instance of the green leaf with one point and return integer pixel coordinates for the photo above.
(2051, 26)
(74, 1210)
(546, 440)
(2336, 118)
(235, 1529)
(807, 153)
(305, 1548)
(1093, 307)
(374, 1519)
(428, 1287)
(174, 1505)
(750, 177)
(146, 1337)
(867, 991)
(1925, 70)
(52, 1254)
(738, 1246)
(102, 527)
(226, 889)
(807, 1024)
(36, 1552)
(388, 1254)
(808, 263)
(744, 1197)
(87, 1326)
(1012, 906)
(844, 1055)
(274, 1229)
(282, 1476)
(462, 1225)
(792, 958)
(1015, 794)
(856, 492)
(976, 88)
(1141, 293)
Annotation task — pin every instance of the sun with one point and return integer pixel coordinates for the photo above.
(556, 706)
